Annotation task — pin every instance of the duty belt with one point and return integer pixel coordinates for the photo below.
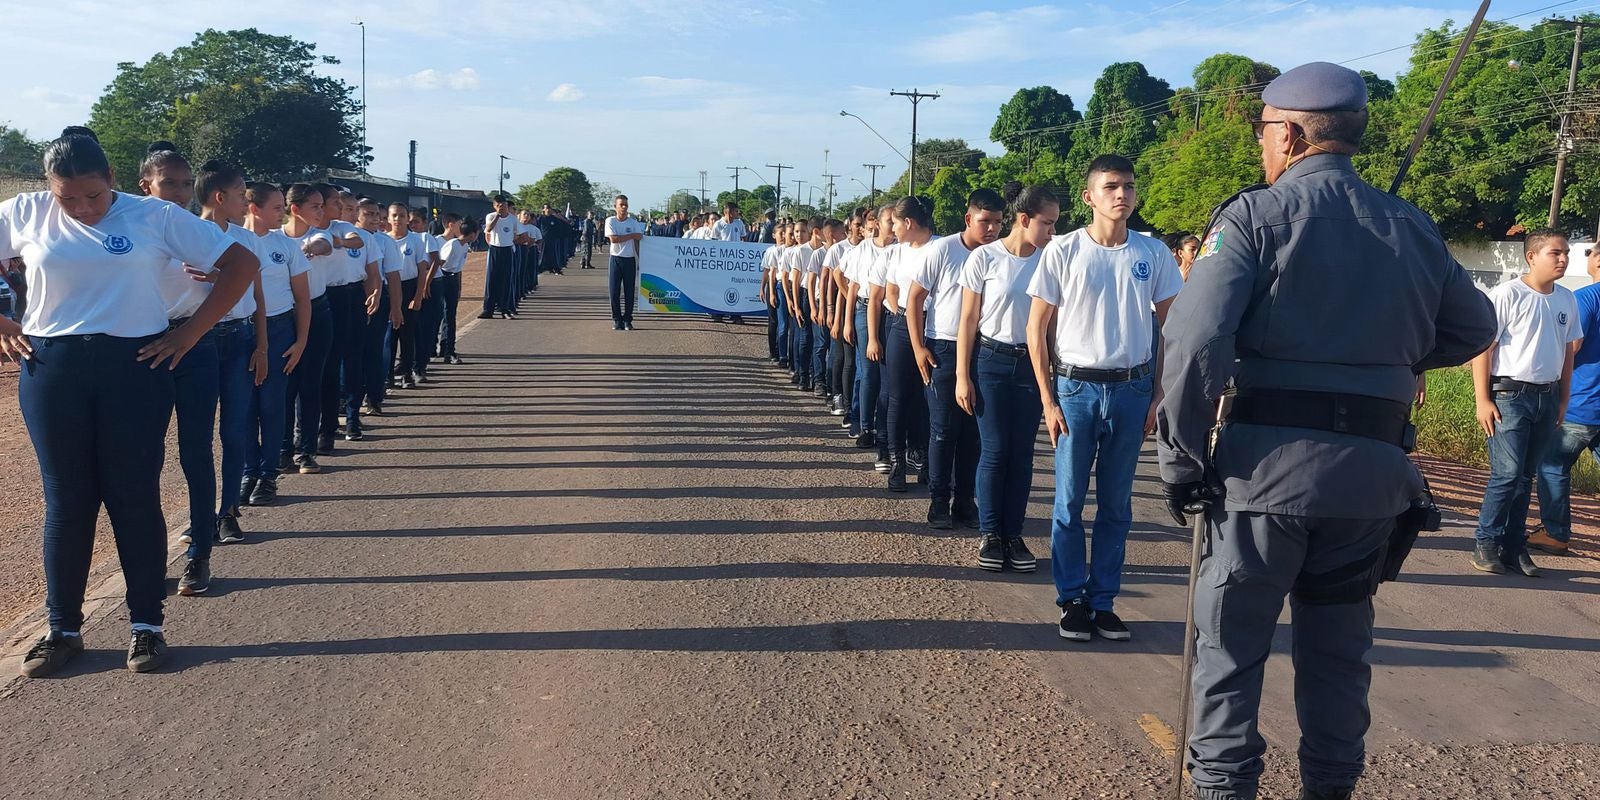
(1103, 375)
(1003, 347)
(1513, 385)
(1386, 421)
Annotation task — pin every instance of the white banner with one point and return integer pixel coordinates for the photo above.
(700, 276)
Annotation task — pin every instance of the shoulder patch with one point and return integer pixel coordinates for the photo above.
(1213, 241)
(1216, 215)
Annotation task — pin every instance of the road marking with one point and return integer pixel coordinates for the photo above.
(1159, 733)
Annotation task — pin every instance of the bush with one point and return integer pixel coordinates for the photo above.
(1447, 427)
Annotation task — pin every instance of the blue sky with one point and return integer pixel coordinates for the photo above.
(645, 94)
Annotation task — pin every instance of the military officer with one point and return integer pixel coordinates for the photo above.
(1315, 303)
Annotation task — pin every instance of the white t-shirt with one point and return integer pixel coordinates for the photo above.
(103, 278)
(1002, 279)
(321, 266)
(180, 292)
(813, 265)
(728, 231)
(246, 307)
(352, 262)
(1104, 297)
(799, 255)
(624, 227)
(501, 231)
(903, 265)
(411, 255)
(454, 254)
(770, 258)
(281, 260)
(940, 273)
(855, 264)
(388, 252)
(430, 244)
(876, 272)
(835, 255)
(533, 231)
(1535, 330)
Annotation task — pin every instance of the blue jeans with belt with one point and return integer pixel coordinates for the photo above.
(952, 432)
(98, 421)
(197, 385)
(269, 410)
(1008, 411)
(1105, 429)
(867, 378)
(781, 301)
(1527, 427)
(819, 355)
(1555, 476)
(236, 384)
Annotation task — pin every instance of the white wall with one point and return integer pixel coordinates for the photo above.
(1491, 263)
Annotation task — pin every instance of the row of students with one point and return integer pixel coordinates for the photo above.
(959, 346)
(235, 313)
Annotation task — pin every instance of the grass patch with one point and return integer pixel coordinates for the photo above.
(1447, 427)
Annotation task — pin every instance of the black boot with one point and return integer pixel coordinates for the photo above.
(897, 471)
(939, 515)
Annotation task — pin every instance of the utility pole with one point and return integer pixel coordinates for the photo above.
(872, 196)
(780, 167)
(797, 192)
(364, 151)
(916, 99)
(411, 170)
(736, 171)
(502, 174)
(827, 196)
(702, 190)
(1564, 138)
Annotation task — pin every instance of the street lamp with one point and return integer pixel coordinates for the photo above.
(503, 174)
(363, 27)
(879, 135)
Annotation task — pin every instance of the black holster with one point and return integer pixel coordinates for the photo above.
(1423, 515)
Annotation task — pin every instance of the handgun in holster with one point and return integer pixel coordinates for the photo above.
(1422, 515)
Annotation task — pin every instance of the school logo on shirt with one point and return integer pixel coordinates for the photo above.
(118, 245)
(406, 250)
(277, 257)
(1561, 318)
(1141, 270)
(353, 252)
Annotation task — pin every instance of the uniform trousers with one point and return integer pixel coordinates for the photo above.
(952, 432)
(305, 384)
(448, 288)
(908, 404)
(268, 403)
(196, 386)
(341, 374)
(497, 296)
(1008, 413)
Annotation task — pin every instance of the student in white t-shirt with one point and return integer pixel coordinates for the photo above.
(286, 293)
(458, 237)
(729, 227)
(866, 330)
(777, 326)
(1522, 383)
(351, 296)
(797, 255)
(625, 234)
(933, 320)
(1098, 295)
(994, 378)
(430, 308)
(96, 351)
(908, 404)
(413, 264)
(381, 325)
(841, 314)
(306, 216)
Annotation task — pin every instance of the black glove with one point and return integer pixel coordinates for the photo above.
(1187, 498)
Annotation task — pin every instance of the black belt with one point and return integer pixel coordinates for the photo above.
(284, 315)
(1003, 347)
(1104, 375)
(1513, 385)
(1369, 417)
(225, 326)
(448, 275)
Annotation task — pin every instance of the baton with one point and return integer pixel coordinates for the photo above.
(1438, 97)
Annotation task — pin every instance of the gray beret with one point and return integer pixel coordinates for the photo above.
(1318, 86)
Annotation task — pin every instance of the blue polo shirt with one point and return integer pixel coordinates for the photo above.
(1584, 407)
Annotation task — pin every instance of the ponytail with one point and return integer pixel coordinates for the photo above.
(1030, 200)
(915, 208)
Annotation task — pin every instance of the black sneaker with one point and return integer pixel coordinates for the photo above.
(246, 490)
(50, 654)
(354, 435)
(939, 515)
(147, 652)
(1523, 563)
(1018, 556)
(1486, 558)
(627, 326)
(991, 553)
(617, 326)
(325, 446)
(196, 577)
(422, 377)
(285, 460)
(917, 459)
(882, 465)
(965, 513)
(228, 530)
(897, 474)
(266, 492)
(455, 359)
(486, 315)
(307, 464)
(1075, 624)
(375, 410)
(836, 406)
(1109, 626)
(408, 382)
(865, 441)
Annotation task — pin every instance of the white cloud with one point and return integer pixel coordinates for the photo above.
(53, 97)
(658, 85)
(565, 93)
(428, 79)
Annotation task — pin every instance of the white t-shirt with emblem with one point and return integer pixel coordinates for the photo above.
(104, 278)
(940, 273)
(246, 307)
(725, 231)
(1104, 297)
(501, 231)
(624, 227)
(454, 255)
(281, 259)
(1535, 330)
(352, 261)
(411, 254)
(321, 266)
(1002, 278)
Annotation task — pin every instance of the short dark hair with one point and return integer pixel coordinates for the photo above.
(469, 227)
(159, 156)
(215, 176)
(451, 216)
(915, 208)
(76, 155)
(1537, 237)
(259, 192)
(327, 190)
(1110, 162)
(730, 205)
(986, 200)
(622, 197)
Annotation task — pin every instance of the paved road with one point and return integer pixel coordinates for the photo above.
(615, 565)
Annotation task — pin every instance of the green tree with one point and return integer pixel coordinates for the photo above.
(605, 197)
(1205, 156)
(276, 132)
(949, 191)
(683, 201)
(1123, 117)
(1018, 126)
(18, 153)
(559, 188)
(142, 102)
(933, 154)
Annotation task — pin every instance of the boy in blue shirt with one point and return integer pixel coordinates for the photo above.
(1580, 429)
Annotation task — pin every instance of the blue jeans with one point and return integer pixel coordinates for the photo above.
(374, 358)
(1008, 425)
(865, 408)
(1105, 429)
(783, 324)
(196, 386)
(908, 403)
(304, 401)
(819, 354)
(1555, 476)
(1526, 428)
(800, 351)
(269, 409)
(623, 275)
(341, 373)
(952, 432)
(427, 333)
(98, 421)
(448, 287)
(237, 389)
